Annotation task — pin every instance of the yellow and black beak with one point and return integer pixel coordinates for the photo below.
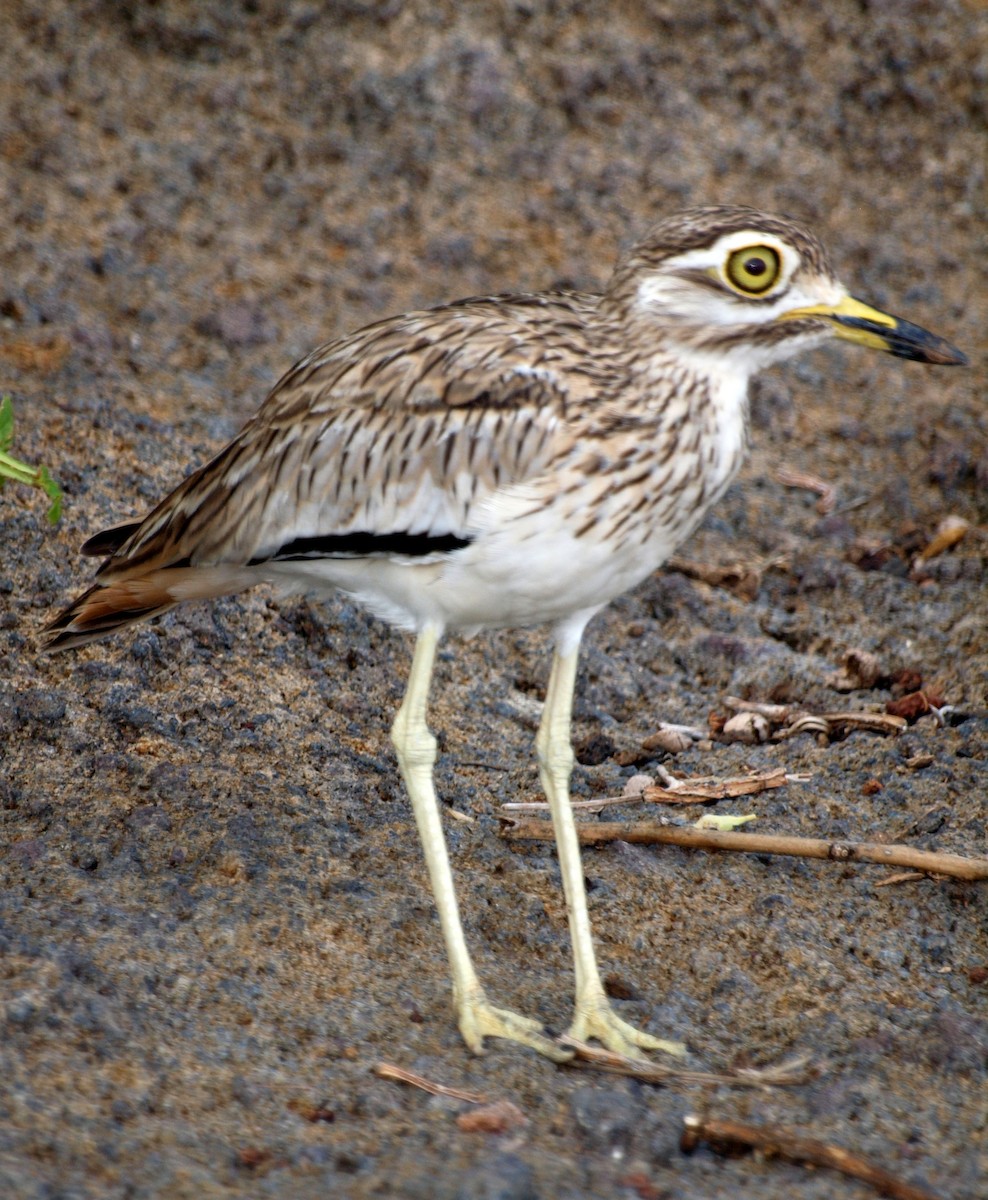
(857, 322)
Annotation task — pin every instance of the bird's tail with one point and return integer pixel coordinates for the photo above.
(107, 607)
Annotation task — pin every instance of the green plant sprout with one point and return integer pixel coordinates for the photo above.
(20, 472)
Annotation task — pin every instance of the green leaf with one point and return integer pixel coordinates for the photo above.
(21, 472)
(723, 822)
(54, 494)
(6, 423)
(13, 468)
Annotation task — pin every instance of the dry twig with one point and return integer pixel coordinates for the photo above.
(650, 833)
(792, 721)
(726, 1136)
(901, 877)
(776, 713)
(874, 722)
(698, 790)
(812, 483)
(785, 1074)
(744, 579)
(390, 1071)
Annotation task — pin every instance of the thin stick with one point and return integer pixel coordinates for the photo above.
(787, 1074)
(390, 1071)
(727, 1135)
(698, 790)
(710, 787)
(812, 483)
(648, 833)
(902, 877)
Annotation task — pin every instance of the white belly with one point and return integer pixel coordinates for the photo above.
(553, 547)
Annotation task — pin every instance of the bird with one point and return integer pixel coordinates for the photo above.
(503, 461)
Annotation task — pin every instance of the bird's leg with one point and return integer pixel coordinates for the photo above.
(594, 1016)
(416, 749)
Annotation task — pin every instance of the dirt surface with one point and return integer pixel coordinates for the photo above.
(214, 919)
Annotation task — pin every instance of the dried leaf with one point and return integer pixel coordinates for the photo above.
(668, 738)
(949, 532)
(914, 705)
(750, 728)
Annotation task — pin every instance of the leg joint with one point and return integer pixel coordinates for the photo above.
(557, 758)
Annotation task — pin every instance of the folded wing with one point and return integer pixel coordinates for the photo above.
(385, 444)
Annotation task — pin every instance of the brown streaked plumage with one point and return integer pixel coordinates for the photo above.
(502, 461)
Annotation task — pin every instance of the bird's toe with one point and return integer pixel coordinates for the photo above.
(599, 1020)
(478, 1018)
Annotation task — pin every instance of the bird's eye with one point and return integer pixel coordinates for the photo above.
(753, 270)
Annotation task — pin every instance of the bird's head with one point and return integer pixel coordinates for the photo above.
(755, 288)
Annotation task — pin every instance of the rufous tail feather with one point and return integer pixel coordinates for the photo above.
(107, 607)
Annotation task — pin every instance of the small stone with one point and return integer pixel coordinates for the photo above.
(918, 761)
(499, 1117)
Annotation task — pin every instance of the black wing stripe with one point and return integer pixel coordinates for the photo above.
(361, 544)
(108, 540)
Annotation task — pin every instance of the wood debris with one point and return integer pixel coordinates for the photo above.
(775, 713)
(788, 722)
(696, 790)
(674, 738)
(752, 722)
(648, 833)
(751, 728)
(919, 761)
(726, 1137)
(948, 533)
(743, 579)
(812, 483)
(915, 705)
(841, 723)
(385, 1070)
(790, 1073)
(859, 670)
(704, 788)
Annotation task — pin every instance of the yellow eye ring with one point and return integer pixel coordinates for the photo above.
(754, 269)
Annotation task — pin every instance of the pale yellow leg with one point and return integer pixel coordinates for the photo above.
(594, 1016)
(416, 749)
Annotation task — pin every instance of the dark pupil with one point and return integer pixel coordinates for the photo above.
(756, 266)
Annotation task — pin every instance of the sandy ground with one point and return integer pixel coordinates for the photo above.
(213, 913)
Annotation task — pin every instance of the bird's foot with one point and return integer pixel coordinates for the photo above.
(478, 1018)
(596, 1019)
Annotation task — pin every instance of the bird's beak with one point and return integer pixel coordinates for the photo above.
(857, 322)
